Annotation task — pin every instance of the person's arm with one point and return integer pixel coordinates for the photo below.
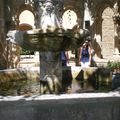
(79, 52)
(67, 56)
(90, 56)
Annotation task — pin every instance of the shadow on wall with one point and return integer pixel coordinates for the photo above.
(97, 49)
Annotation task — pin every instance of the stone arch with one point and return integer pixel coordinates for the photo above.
(69, 19)
(97, 16)
(97, 27)
(26, 22)
(15, 56)
(21, 9)
(77, 12)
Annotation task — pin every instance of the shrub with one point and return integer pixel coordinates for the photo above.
(113, 65)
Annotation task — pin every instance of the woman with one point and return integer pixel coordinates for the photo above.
(85, 55)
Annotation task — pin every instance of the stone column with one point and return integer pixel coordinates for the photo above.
(1, 17)
(116, 19)
(3, 52)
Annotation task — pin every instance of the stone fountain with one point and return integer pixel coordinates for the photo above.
(49, 38)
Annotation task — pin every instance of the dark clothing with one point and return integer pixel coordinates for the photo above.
(85, 55)
(63, 58)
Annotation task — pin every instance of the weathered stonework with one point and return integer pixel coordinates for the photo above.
(103, 28)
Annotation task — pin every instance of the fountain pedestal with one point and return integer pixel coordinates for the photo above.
(51, 70)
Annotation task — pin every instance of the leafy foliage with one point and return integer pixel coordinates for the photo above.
(113, 65)
(26, 52)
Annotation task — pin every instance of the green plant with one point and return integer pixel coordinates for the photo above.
(113, 65)
(109, 65)
(26, 52)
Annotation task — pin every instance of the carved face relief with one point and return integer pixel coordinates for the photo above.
(49, 7)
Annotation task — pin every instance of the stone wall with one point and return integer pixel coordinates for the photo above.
(62, 107)
(12, 81)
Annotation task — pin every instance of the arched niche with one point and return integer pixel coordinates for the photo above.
(102, 26)
(26, 20)
(69, 19)
(107, 33)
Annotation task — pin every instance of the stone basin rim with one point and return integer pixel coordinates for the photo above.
(74, 96)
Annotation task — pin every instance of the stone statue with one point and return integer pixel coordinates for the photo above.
(49, 18)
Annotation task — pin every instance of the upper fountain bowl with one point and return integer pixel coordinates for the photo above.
(53, 39)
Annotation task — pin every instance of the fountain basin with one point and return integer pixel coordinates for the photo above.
(102, 106)
(27, 82)
(56, 40)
